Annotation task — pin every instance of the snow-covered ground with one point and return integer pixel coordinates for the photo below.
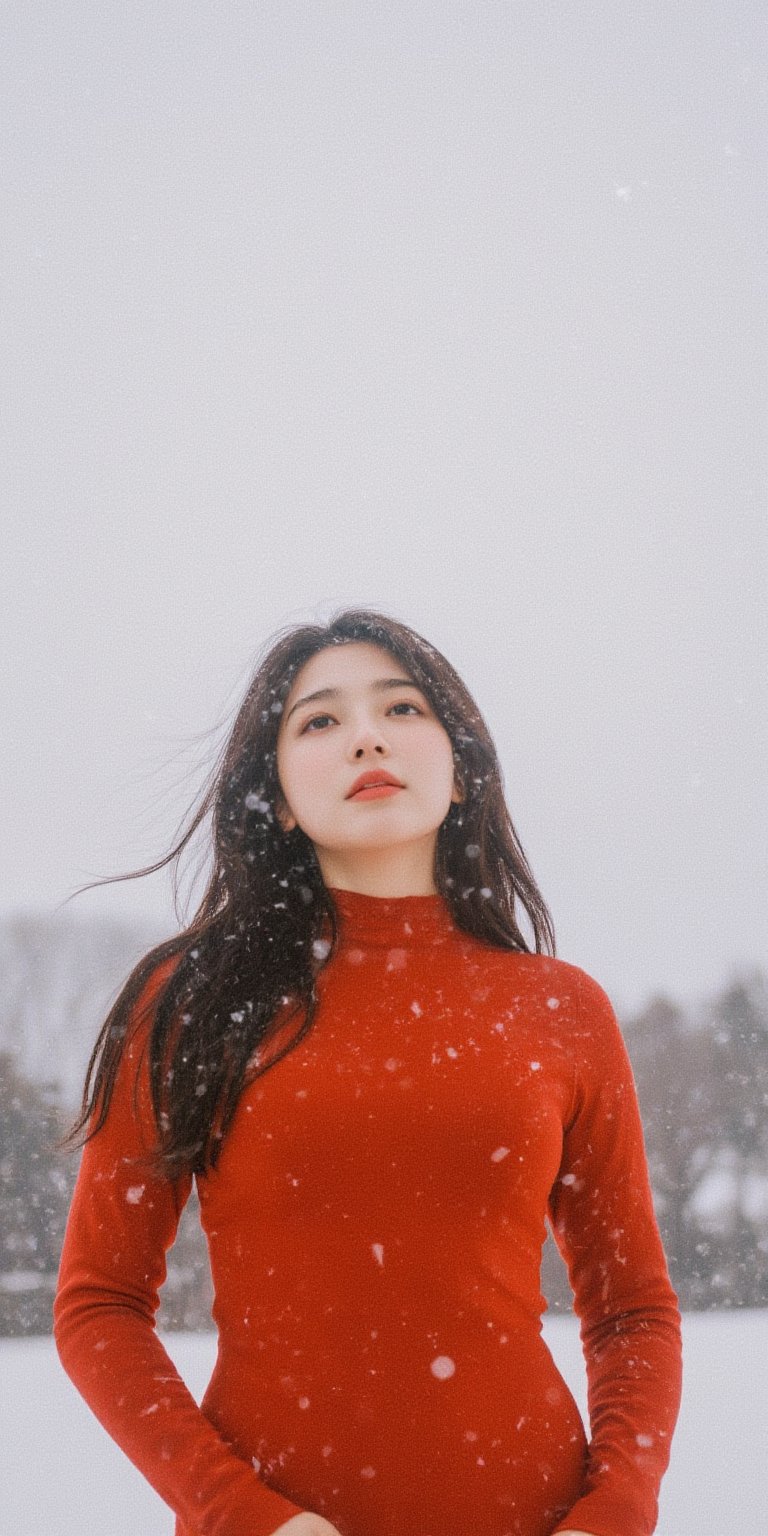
(64, 1477)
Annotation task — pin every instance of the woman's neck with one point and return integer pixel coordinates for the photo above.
(407, 870)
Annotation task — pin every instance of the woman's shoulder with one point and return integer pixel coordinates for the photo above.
(145, 987)
(538, 968)
(159, 972)
(561, 984)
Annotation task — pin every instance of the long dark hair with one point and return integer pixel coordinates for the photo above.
(248, 960)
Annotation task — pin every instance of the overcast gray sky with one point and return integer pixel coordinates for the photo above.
(453, 310)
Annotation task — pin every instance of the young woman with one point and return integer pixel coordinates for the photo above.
(382, 1092)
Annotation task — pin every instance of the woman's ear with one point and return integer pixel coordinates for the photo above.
(458, 795)
(284, 816)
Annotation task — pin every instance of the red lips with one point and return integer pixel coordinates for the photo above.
(374, 776)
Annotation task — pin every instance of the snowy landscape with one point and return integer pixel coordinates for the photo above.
(71, 1480)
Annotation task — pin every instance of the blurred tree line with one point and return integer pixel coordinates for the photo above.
(702, 1083)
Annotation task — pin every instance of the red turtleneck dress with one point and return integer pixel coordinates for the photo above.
(375, 1226)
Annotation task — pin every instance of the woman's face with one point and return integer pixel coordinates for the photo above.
(364, 715)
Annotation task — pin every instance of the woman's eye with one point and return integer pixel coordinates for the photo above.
(314, 721)
(407, 704)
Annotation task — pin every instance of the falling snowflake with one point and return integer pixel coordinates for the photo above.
(397, 959)
(255, 803)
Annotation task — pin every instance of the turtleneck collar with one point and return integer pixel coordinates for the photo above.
(392, 922)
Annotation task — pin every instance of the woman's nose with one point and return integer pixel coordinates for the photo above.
(368, 738)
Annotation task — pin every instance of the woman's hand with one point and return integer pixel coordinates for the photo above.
(306, 1524)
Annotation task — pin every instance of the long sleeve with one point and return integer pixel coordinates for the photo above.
(122, 1221)
(603, 1219)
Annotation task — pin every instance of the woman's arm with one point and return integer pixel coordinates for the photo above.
(603, 1219)
(122, 1221)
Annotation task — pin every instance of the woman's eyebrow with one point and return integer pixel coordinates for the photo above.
(381, 685)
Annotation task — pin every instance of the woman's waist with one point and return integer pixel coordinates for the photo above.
(381, 1345)
(491, 1404)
